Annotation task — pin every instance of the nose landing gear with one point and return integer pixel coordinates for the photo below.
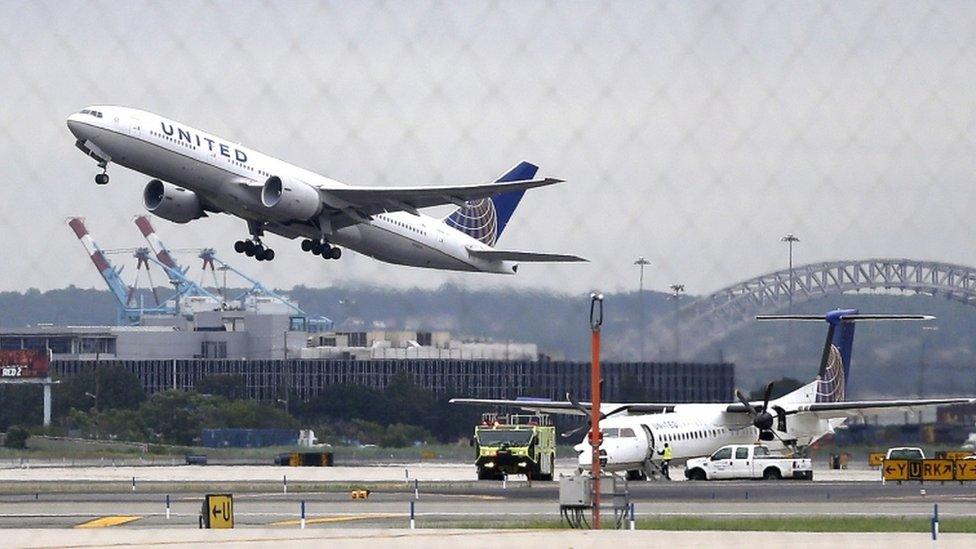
(254, 248)
(321, 248)
(102, 178)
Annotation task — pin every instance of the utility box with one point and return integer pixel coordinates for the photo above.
(575, 491)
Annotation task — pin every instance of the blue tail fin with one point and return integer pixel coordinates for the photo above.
(835, 365)
(485, 219)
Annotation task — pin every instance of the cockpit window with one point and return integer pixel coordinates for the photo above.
(627, 432)
(96, 114)
(610, 432)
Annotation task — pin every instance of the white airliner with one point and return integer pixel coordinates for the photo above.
(195, 173)
(635, 433)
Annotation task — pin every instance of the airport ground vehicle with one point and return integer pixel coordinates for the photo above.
(905, 452)
(515, 444)
(747, 461)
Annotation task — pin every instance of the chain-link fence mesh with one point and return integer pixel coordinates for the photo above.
(692, 134)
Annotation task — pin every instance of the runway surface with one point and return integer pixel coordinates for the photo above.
(100, 507)
(470, 539)
(444, 472)
(70, 497)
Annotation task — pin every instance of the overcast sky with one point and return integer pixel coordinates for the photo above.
(695, 134)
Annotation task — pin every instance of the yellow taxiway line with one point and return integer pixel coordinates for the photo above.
(346, 518)
(104, 522)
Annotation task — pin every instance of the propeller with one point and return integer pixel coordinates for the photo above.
(586, 412)
(762, 420)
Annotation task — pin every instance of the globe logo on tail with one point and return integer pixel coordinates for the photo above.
(830, 387)
(477, 219)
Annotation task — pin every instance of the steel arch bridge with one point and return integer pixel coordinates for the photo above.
(713, 317)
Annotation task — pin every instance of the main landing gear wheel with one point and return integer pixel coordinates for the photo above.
(254, 249)
(101, 179)
(316, 247)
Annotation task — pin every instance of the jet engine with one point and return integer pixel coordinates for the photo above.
(289, 199)
(171, 202)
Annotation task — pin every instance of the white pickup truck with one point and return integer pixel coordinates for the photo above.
(747, 461)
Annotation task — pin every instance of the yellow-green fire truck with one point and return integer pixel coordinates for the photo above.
(515, 444)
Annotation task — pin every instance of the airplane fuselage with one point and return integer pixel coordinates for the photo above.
(227, 177)
(691, 430)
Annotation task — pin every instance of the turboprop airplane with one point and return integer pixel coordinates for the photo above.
(195, 173)
(634, 433)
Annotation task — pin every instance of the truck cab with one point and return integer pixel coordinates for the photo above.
(905, 452)
(747, 461)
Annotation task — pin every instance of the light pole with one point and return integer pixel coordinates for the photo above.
(790, 238)
(640, 303)
(676, 290)
(596, 437)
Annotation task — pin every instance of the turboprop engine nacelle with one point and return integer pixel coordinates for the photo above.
(289, 199)
(171, 202)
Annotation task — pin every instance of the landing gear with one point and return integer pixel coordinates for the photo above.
(102, 178)
(322, 248)
(254, 248)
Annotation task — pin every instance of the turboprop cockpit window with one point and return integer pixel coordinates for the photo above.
(627, 432)
(610, 432)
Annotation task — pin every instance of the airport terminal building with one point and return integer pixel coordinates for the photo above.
(304, 379)
(278, 360)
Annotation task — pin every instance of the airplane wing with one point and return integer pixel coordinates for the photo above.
(828, 410)
(509, 255)
(566, 407)
(368, 201)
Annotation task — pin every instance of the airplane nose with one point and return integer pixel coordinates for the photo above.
(75, 126)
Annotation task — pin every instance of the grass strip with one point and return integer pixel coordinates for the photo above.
(831, 523)
(808, 524)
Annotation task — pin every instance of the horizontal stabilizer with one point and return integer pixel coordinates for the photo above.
(844, 317)
(528, 257)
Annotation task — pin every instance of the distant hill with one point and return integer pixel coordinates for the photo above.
(887, 356)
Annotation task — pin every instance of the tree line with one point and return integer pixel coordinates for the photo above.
(109, 403)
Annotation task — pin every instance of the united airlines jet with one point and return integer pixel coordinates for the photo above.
(194, 173)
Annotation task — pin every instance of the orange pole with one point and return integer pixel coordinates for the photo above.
(595, 436)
